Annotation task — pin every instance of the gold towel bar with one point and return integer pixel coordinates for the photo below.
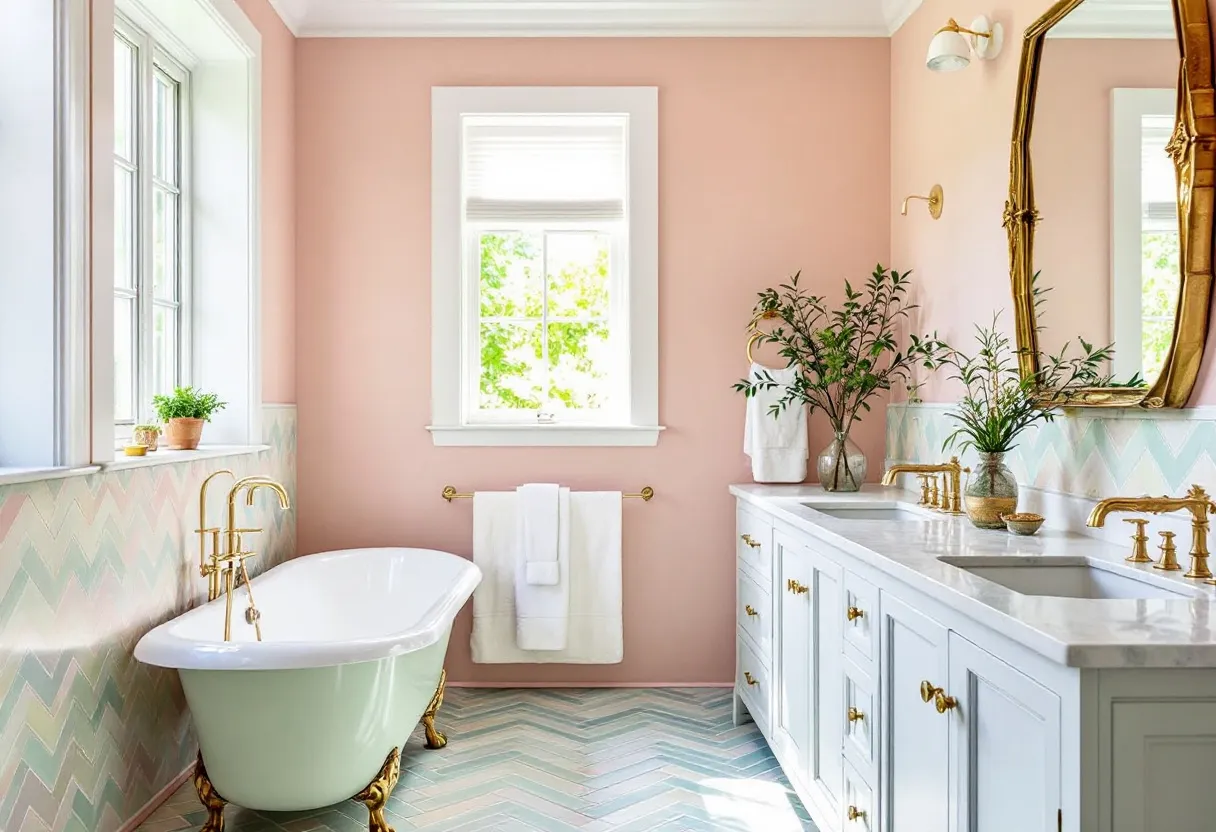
(450, 493)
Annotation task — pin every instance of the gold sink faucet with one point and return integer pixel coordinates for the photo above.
(947, 499)
(1196, 501)
(224, 568)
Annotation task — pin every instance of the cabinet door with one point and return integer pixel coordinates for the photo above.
(916, 738)
(1005, 748)
(827, 675)
(793, 716)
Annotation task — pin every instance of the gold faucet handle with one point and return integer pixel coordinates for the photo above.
(1139, 541)
(1169, 553)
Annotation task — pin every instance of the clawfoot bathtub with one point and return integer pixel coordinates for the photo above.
(316, 712)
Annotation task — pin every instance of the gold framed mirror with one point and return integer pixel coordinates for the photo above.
(1153, 296)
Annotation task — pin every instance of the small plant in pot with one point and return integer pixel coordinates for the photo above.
(146, 435)
(844, 358)
(999, 404)
(183, 414)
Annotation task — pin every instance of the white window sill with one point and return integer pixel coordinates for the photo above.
(167, 457)
(12, 476)
(546, 435)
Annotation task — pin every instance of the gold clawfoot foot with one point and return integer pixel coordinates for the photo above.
(209, 797)
(377, 792)
(434, 737)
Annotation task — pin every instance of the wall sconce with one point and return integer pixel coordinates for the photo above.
(952, 45)
(934, 202)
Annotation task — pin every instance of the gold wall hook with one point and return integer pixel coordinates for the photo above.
(935, 200)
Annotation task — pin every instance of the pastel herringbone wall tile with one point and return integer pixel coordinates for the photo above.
(1084, 453)
(88, 565)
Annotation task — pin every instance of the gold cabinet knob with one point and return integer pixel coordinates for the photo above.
(854, 613)
(854, 715)
(747, 538)
(931, 693)
(750, 679)
(853, 813)
(751, 611)
(797, 588)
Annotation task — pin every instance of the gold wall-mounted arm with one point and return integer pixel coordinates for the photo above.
(935, 202)
(450, 493)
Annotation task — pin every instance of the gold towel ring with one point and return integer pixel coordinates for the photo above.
(756, 333)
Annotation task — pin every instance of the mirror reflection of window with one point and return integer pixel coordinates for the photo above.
(1145, 237)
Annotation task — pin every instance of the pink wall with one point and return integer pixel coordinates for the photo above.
(1072, 167)
(278, 203)
(954, 128)
(774, 157)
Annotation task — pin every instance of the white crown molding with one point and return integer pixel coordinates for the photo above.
(593, 18)
(1098, 19)
(292, 13)
(897, 12)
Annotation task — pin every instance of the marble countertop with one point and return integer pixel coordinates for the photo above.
(1078, 632)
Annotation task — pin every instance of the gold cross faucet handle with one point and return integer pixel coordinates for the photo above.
(1169, 553)
(1139, 541)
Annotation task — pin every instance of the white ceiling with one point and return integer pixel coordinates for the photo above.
(643, 18)
(1147, 19)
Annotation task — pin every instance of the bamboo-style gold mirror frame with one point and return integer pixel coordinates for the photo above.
(1193, 148)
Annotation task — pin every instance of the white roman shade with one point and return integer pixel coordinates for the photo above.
(544, 168)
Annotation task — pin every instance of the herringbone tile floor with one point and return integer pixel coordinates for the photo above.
(661, 760)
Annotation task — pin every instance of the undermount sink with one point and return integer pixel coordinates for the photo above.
(881, 511)
(1065, 578)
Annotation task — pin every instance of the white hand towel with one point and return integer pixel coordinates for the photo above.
(539, 530)
(778, 447)
(595, 632)
(541, 612)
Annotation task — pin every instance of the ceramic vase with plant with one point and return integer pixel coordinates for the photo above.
(184, 413)
(999, 403)
(146, 435)
(844, 356)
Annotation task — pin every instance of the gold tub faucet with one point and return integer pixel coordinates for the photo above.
(949, 499)
(224, 568)
(1196, 501)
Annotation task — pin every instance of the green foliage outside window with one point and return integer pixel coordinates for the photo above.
(526, 362)
(1159, 298)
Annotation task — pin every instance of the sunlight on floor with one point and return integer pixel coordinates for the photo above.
(750, 806)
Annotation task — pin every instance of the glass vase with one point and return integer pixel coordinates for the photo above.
(842, 465)
(991, 492)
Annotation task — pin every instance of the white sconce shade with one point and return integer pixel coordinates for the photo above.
(952, 45)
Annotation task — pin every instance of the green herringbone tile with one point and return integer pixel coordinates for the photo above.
(544, 761)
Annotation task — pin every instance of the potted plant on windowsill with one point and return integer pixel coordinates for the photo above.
(146, 435)
(844, 357)
(183, 414)
(998, 404)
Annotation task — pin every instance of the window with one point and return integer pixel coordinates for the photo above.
(545, 266)
(151, 320)
(1146, 269)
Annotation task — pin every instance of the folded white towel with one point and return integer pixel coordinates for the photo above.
(594, 627)
(539, 530)
(540, 610)
(778, 447)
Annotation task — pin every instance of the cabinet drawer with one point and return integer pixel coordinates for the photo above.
(859, 814)
(861, 620)
(752, 681)
(754, 543)
(861, 712)
(755, 616)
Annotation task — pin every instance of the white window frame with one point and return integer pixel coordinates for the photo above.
(1128, 107)
(153, 56)
(454, 339)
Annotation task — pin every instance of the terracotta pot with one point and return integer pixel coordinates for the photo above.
(183, 434)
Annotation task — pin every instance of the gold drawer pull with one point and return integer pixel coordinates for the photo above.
(797, 588)
(751, 611)
(750, 680)
(854, 613)
(747, 538)
(855, 715)
(854, 813)
(931, 693)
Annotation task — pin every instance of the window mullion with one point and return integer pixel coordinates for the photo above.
(144, 274)
(544, 315)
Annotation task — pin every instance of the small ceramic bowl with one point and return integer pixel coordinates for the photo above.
(1026, 524)
(135, 450)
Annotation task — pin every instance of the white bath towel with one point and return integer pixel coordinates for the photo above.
(539, 532)
(778, 447)
(541, 610)
(594, 629)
